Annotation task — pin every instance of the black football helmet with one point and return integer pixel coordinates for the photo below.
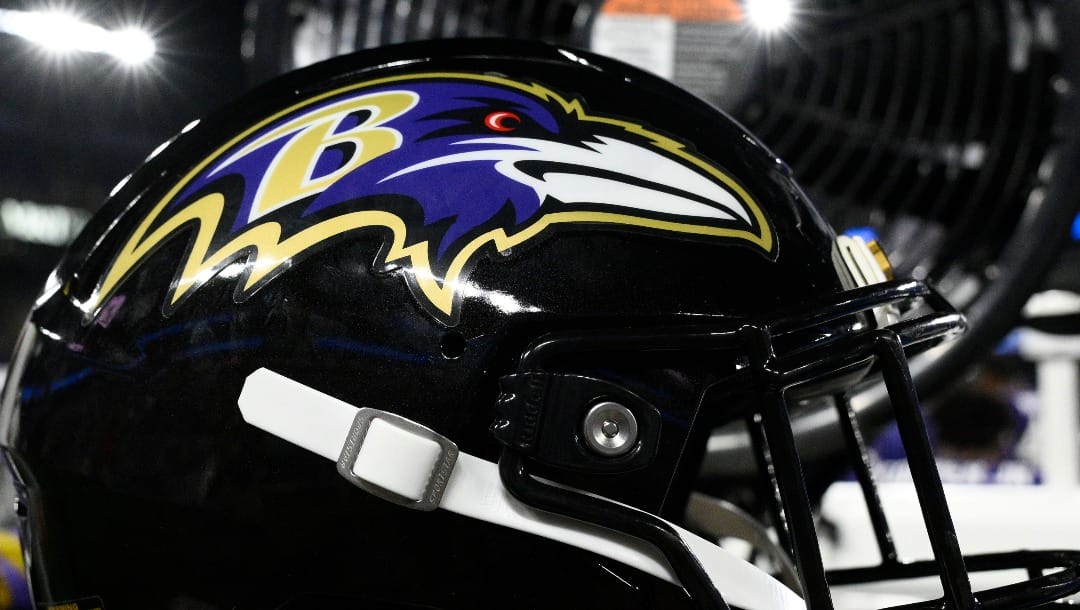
(509, 289)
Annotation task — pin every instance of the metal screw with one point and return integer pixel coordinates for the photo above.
(610, 429)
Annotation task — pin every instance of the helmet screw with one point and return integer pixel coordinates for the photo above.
(610, 429)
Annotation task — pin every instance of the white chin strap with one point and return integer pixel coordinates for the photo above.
(403, 462)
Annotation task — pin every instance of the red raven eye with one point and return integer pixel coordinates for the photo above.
(502, 121)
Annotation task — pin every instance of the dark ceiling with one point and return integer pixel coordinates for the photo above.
(70, 127)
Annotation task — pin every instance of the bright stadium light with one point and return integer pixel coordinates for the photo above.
(131, 46)
(61, 32)
(769, 15)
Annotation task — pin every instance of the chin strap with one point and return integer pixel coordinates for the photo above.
(405, 463)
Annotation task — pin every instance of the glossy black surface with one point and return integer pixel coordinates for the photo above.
(141, 484)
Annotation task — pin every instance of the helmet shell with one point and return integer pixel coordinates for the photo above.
(415, 278)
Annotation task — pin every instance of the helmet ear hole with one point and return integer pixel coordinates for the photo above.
(452, 344)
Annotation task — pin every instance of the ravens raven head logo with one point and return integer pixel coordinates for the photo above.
(448, 166)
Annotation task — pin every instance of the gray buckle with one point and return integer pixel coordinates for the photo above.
(440, 473)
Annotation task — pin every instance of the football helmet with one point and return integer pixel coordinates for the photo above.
(508, 288)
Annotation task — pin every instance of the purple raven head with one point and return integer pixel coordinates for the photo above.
(453, 143)
(449, 163)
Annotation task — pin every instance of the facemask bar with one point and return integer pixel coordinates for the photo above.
(1041, 589)
(887, 348)
(772, 375)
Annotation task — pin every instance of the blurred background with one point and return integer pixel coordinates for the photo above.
(946, 129)
(87, 91)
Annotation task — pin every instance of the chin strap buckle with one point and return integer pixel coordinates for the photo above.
(397, 459)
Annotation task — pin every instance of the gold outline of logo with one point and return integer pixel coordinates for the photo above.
(269, 254)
